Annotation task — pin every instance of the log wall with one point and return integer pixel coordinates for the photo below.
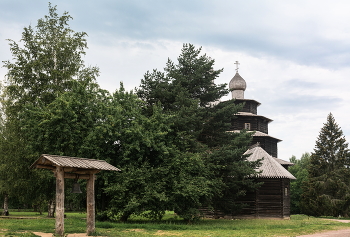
(250, 106)
(269, 144)
(256, 123)
(271, 200)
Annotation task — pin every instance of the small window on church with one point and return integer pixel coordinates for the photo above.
(247, 126)
(285, 191)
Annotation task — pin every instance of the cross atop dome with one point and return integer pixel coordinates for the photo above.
(237, 63)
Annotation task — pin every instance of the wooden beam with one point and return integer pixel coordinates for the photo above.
(49, 167)
(80, 170)
(70, 169)
(73, 176)
(59, 201)
(88, 172)
(90, 205)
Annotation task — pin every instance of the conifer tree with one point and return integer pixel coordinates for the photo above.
(187, 92)
(327, 191)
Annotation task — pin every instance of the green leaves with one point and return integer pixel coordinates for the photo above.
(300, 171)
(43, 101)
(48, 62)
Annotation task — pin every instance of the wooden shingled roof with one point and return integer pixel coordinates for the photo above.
(283, 162)
(257, 134)
(46, 161)
(253, 115)
(270, 168)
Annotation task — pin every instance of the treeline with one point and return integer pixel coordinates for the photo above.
(168, 137)
(322, 187)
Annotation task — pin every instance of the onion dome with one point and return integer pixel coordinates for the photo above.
(237, 86)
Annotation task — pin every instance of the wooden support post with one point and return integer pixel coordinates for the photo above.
(59, 201)
(90, 205)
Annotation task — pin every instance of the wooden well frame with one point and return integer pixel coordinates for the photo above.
(71, 168)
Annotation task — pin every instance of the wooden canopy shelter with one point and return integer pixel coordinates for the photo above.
(72, 168)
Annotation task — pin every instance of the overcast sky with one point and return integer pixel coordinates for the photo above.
(294, 55)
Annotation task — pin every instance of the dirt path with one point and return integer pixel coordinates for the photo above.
(69, 235)
(332, 233)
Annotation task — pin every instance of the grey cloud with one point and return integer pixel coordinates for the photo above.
(308, 102)
(233, 27)
(298, 83)
(259, 29)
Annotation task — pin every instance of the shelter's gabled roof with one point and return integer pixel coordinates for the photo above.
(269, 168)
(51, 161)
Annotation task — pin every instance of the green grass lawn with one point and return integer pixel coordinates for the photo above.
(170, 226)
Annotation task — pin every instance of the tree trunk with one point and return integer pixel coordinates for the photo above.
(125, 217)
(51, 209)
(6, 205)
(40, 210)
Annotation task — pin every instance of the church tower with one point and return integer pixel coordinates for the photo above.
(272, 199)
(249, 119)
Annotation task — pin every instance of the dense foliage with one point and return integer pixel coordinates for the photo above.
(169, 139)
(47, 63)
(300, 172)
(327, 191)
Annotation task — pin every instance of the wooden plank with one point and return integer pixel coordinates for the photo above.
(59, 201)
(87, 171)
(70, 170)
(90, 205)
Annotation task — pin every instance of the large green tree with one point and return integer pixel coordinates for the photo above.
(327, 191)
(47, 62)
(187, 92)
(138, 145)
(154, 171)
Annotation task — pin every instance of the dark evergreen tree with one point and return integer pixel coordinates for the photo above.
(327, 191)
(187, 92)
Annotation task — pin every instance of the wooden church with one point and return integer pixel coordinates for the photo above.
(272, 199)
